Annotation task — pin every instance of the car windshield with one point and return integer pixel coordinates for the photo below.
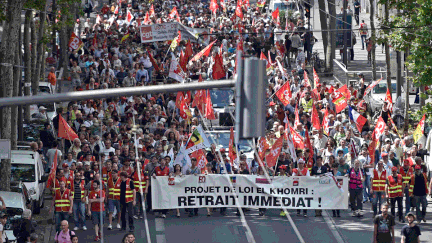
(222, 140)
(14, 214)
(222, 97)
(23, 172)
(381, 88)
(44, 90)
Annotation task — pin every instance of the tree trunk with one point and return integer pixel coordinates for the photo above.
(42, 18)
(331, 48)
(406, 115)
(35, 77)
(63, 49)
(324, 26)
(16, 81)
(373, 39)
(43, 66)
(387, 49)
(27, 60)
(12, 24)
(422, 91)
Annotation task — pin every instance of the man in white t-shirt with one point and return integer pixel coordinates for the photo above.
(368, 168)
(107, 149)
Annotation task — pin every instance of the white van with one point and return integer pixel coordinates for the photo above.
(26, 166)
(283, 5)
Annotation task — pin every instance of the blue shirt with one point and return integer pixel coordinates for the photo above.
(228, 167)
(142, 74)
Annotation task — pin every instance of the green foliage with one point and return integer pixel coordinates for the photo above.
(411, 28)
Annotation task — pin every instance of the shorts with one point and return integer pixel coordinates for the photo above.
(113, 204)
(294, 50)
(97, 218)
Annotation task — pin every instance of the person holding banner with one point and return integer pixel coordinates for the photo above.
(356, 178)
(177, 172)
(301, 170)
(113, 198)
(162, 170)
(127, 200)
(193, 170)
(139, 184)
(282, 172)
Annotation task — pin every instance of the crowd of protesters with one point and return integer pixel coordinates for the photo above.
(105, 169)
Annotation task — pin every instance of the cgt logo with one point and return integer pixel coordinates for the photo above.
(325, 181)
(146, 33)
(296, 181)
(201, 179)
(171, 181)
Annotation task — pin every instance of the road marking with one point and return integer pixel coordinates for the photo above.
(160, 239)
(294, 227)
(331, 224)
(160, 226)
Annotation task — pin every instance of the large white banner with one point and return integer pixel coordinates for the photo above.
(168, 31)
(196, 191)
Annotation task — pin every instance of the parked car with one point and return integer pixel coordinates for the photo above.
(376, 97)
(15, 205)
(26, 166)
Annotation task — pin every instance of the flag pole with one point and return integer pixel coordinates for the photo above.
(101, 189)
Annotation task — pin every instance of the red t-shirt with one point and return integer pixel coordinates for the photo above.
(162, 172)
(96, 207)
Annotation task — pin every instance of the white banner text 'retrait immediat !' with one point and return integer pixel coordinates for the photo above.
(195, 191)
(168, 31)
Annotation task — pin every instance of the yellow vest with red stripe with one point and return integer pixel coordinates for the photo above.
(395, 187)
(378, 183)
(406, 177)
(304, 171)
(307, 105)
(412, 184)
(138, 183)
(105, 174)
(113, 189)
(62, 201)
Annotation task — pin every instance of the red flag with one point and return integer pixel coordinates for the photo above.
(308, 145)
(179, 99)
(200, 156)
(188, 50)
(65, 131)
(209, 112)
(153, 61)
(94, 40)
(263, 57)
(297, 139)
(203, 52)
(152, 12)
(213, 6)
(315, 118)
(218, 70)
(173, 13)
(341, 97)
(185, 112)
(232, 150)
(147, 20)
(389, 100)
(325, 123)
(183, 60)
(246, 3)
(53, 170)
(74, 42)
(275, 150)
(297, 119)
(222, 3)
(306, 81)
(238, 11)
(371, 86)
(275, 14)
(284, 94)
(262, 147)
(316, 78)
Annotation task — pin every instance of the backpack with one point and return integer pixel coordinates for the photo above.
(58, 232)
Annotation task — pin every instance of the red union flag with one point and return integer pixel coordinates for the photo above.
(203, 52)
(275, 150)
(418, 133)
(306, 81)
(316, 78)
(238, 10)
(297, 119)
(371, 86)
(173, 13)
(389, 100)
(65, 131)
(185, 113)
(340, 101)
(261, 3)
(315, 118)
(199, 155)
(262, 147)
(284, 94)
(297, 139)
(152, 12)
(74, 42)
(53, 170)
(232, 150)
(379, 128)
(325, 123)
(213, 6)
(308, 145)
(175, 71)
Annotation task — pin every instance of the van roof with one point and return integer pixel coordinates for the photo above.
(12, 199)
(23, 157)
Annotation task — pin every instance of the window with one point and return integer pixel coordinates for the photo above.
(23, 172)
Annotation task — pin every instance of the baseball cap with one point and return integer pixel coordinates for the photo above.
(42, 108)
(65, 165)
(406, 162)
(410, 214)
(394, 168)
(301, 161)
(418, 167)
(384, 154)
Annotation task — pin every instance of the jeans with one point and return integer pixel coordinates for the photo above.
(421, 200)
(356, 199)
(79, 213)
(150, 73)
(407, 200)
(366, 189)
(139, 207)
(129, 208)
(60, 216)
(378, 198)
(363, 39)
(393, 202)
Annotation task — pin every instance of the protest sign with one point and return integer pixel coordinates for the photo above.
(168, 31)
(252, 192)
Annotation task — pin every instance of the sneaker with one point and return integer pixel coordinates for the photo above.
(84, 228)
(354, 214)
(163, 216)
(282, 214)
(76, 228)
(118, 226)
(135, 217)
(110, 227)
(305, 215)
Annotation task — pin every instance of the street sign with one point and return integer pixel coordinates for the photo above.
(340, 34)
(5, 149)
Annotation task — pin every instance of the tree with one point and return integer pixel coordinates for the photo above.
(411, 30)
(11, 27)
(387, 47)
(331, 48)
(324, 25)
